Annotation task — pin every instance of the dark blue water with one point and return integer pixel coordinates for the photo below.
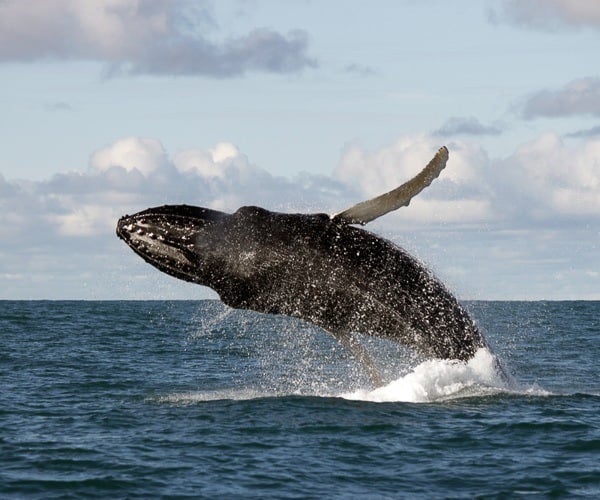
(148, 399)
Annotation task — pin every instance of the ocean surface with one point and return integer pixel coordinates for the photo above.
(191, 399)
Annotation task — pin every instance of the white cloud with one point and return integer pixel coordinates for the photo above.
(224, 151)
(459, 194)
(197, 160)
(62, 230)
(145, 155)
(87, 220)
(374, 172)
(546, 179)
(134, 173)
(549, 14)
(161, 37)
(208, 164)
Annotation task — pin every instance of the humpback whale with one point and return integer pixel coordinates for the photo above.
(318, 267)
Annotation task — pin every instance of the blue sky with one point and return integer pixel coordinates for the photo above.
(109, 107)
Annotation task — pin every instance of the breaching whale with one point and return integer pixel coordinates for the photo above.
(317, 267)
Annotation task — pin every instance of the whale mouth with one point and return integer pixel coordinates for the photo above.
(167, 237)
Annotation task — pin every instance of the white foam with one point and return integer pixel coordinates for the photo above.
(435, 380)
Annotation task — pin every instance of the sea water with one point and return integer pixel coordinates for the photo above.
(192, 399)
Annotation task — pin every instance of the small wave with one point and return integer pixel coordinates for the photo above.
(205, 396)
(436, 380)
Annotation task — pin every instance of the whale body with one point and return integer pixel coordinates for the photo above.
(317, 267)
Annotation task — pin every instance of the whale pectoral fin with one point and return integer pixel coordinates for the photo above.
(369, 210)
(350, 342)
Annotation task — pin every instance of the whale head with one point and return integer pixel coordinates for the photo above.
(176, 239)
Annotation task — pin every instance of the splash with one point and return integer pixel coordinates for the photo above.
(430, 381)
(436, 380)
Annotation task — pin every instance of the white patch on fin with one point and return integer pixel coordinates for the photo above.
(369, 210)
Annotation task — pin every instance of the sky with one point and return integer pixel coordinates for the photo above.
(113, 106)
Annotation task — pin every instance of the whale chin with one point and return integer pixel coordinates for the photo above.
(168, 237)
